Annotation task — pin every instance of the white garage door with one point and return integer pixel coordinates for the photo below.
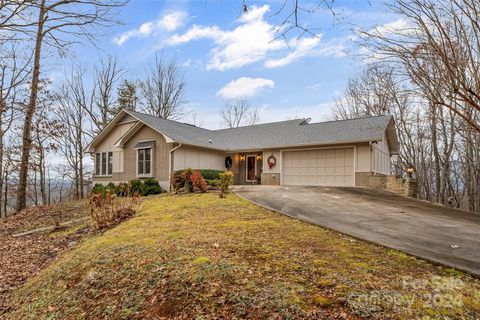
(321, 167)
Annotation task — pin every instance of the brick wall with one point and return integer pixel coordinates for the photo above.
(370, 180)
(404, 187)
(395, 184)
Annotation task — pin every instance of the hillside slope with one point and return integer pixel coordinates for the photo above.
(200, 257)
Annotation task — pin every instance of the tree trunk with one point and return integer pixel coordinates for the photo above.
(433, 126)
(41, 168)
(27, 128)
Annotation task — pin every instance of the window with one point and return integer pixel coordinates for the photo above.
(144, 167)
(97, 164)
(103, 163)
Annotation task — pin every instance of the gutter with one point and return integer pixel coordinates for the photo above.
(170, 165)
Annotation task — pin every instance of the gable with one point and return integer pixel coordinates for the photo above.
(108, 142)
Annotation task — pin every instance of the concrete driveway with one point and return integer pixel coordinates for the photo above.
(436, 233)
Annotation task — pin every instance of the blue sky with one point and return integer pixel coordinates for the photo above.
(227, 54)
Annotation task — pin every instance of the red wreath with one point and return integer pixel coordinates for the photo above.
(271, 161)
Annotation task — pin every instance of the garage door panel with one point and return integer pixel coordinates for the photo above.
(327, 167)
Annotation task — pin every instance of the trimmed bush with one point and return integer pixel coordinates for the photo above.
(98, 188)
(211, 177)
(150, 186)
(210, 174)
(136, 185)
(125, 189)
(213, 183)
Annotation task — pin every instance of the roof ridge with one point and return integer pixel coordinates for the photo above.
(352, 119)
(260, 124)
(183, 123)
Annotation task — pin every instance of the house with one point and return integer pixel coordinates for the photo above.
(292, 152)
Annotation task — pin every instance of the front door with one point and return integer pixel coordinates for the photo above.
(251, 168)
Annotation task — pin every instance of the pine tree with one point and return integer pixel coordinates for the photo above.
(127, 96)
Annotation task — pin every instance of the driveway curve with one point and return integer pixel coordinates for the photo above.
(436, 233)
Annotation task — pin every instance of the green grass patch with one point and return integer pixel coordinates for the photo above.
(198, 256)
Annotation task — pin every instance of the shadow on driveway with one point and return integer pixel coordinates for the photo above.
(436, 233)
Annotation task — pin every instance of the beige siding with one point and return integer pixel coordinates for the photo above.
(363, 158)
(198, 158)
(108, 144)
(276, 168)
(381, 157)
(235, 167)
(129, 159)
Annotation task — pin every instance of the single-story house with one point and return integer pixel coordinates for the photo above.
(293, 152)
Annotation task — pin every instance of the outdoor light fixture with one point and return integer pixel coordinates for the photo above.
(410, 171)
(259, 157)
(242, 157)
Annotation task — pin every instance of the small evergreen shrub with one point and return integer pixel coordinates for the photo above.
(149, 187)
(210, 174)
(136, 185)
(213, 183)
(98, 188)
(226, 179)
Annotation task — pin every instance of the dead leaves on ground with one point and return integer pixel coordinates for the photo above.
(23, 257)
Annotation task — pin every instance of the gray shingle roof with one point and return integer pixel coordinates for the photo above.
(272, 135)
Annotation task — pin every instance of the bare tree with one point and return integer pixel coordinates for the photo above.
(237, 113)
(14, 71)
(73, 100)
(438, 51)
(103, 107)
(163, 90)
(59, 24)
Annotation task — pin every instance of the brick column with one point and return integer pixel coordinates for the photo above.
(411, 187)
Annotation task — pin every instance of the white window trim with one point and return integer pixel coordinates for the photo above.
(254, 156)
(152, 161)
(101, 163)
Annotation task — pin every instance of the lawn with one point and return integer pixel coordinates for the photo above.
(200, 257)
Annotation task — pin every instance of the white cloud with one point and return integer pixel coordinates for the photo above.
(253, 40)
(397, 27)
(169, 22)
(312, 46)
(249, 42)
(244, 87)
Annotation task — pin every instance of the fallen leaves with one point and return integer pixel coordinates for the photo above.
(23, 257)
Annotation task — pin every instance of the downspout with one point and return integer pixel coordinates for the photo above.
(170, 164)
(371, 155)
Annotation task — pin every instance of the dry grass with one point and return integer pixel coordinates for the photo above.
(200, 257)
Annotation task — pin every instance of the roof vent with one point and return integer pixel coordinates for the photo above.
(305, 121)
(209, 140)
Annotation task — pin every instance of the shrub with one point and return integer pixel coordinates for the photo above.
(210, 174)
(98, 188)
(136, 185)
(226, 179)
(111, 187)
(213, 183)
(150, 186)
(198, 182)
(107, 211)
(187, 179)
